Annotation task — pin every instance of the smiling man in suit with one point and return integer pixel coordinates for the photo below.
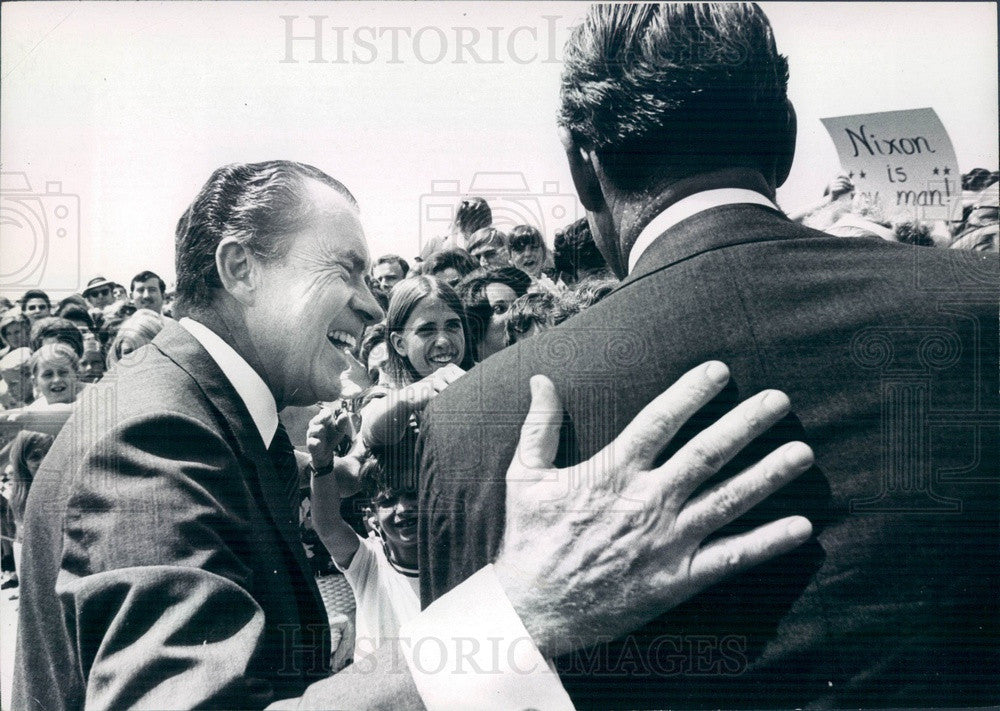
(162, 561)
(678, 130)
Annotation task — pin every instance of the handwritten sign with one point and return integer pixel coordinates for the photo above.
(902, 160)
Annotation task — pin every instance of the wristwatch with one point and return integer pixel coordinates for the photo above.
(321, 471)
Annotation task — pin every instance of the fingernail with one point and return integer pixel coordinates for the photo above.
(798, 455)
(717, 371)
(799, 528)
(775, 401)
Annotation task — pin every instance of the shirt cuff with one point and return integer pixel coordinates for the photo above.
(469, 649)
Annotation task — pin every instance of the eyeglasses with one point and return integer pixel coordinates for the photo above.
(100, 293)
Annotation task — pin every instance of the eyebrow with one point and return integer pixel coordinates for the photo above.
(357, 262)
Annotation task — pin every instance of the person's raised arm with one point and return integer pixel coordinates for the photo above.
(384, 420)
(326, 430)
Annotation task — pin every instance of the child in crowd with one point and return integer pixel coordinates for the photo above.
(428, 348)
(26, 452)
(55, 371)
(382, 568)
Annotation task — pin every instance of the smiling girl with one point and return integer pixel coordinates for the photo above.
(429, 348)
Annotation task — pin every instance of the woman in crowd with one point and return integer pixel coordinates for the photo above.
(429, 347)
(487, 296)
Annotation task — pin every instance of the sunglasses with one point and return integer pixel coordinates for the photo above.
(100, 293)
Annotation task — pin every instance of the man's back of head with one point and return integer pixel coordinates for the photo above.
(671, 89)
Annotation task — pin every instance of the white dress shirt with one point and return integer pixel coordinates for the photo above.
(473, 627)
(248, 384)
(688, 207)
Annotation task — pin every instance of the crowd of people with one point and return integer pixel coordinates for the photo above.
(362, 468)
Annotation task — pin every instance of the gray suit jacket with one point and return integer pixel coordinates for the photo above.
(889, 354)
(162, 566)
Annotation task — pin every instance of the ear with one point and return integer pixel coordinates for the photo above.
(786, 147)
(581, 167)
(237, 269)
(396, 341)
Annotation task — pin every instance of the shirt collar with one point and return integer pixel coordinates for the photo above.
(248, 384)
(687, 207)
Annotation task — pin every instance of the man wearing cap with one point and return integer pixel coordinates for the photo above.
(98, 292)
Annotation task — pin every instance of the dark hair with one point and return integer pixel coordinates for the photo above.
(575, 252)
(539, 307)
(35, 294)
(64, 330)
(457, 259)
(406, 295)
(146, 276)
(393, 259)
(473, 214)
(914, 233)
(675, 89)
(978, 178)
(373, 336)
(254, 203)
(72, 312)
(391, 469)
(472, 291)
(71, 301)
(24, 444)
(525, 236)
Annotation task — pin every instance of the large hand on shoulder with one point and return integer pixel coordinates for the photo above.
(597, 550)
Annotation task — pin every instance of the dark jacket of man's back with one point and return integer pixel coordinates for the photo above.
(889, 355)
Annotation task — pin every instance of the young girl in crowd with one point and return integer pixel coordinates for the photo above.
(27, 450)
(55, 371)
(429, 348)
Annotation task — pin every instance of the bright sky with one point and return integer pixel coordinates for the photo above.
(131, 106)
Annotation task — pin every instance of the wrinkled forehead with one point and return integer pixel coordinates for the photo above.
(337, 219)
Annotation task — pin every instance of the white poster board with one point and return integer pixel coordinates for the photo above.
(903, 160)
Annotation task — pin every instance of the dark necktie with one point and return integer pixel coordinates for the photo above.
(282, 455)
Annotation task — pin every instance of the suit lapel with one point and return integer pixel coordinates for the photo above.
(176, 343)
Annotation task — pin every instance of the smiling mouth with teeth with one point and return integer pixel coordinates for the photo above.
(342, 340)
(442, 358)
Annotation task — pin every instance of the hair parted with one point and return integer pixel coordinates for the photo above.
(405, 297)
(695, 85)
(472, 291)
(254, 203)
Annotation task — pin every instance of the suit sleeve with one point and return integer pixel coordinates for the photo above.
(154, 580)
